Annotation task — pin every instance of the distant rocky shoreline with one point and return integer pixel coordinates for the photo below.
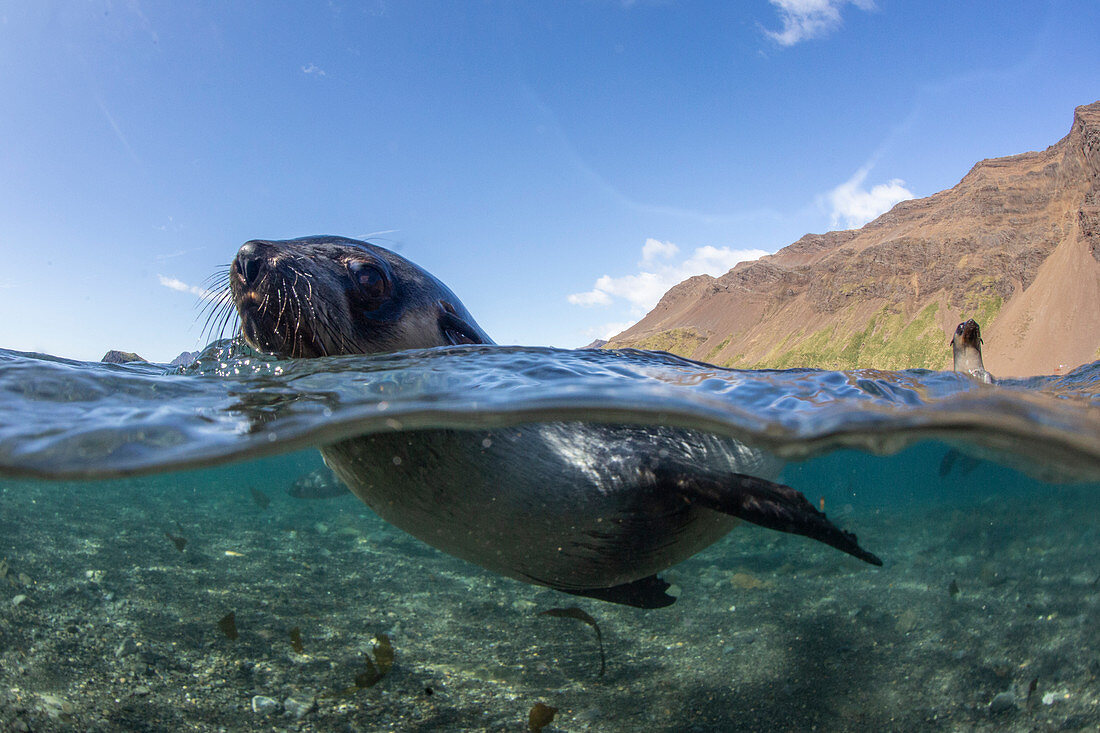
(115, 356)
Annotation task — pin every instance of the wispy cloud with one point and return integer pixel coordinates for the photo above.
(607, 330)
(806, 19)
(177, 253)
(379, 233)
(853, 206)
(180, 286)
(313, 69)
(170, 226)
(114, 126)
(658, 271)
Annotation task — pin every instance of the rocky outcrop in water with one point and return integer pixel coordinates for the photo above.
(120, 357)
(1014, 245)
(184, 359)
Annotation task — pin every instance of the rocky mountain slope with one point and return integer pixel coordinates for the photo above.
(1015, 245)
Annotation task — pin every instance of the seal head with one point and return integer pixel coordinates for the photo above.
(324, 295)
(966, 347)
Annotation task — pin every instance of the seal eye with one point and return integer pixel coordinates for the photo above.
(371, 281)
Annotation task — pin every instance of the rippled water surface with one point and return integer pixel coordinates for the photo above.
(75, 419)
(139, 505)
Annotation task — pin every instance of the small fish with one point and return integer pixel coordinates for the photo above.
(540, 717)
(376, 668)
(260, 498)
(368, 677)
(383, 653)
(178, 541)
(948, 462)
(1031, 690)
(319, 484)
(574, 612)
(296, 640)
(953, 588)
(228, 625)
(966, 463)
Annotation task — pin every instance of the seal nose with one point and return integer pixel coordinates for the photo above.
(249, 258)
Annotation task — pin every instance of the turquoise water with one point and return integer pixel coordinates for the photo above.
(980, 499)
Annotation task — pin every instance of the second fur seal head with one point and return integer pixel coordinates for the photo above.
(327, 295)
(966, 349)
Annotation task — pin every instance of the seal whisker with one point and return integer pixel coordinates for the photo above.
(221, 273)
(292, 308)
(286, 307)
(326, 332)
(217, 305)
(261, 309)
(298, 314)
(230, 316)
(281, 303)
(213, 316)
(216, 302)
(213, 313)
(303, 303)
(334, 336)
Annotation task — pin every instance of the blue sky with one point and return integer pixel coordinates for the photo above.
(559, 164)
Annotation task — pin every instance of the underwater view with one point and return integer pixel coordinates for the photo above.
(176, 556)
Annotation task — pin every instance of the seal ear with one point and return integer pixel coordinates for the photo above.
(455, 329)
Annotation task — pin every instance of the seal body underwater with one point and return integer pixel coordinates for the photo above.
(590, 509)
(966, 350)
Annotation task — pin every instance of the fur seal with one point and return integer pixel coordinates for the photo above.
(966, 347)
(589, 509)
(319, 484)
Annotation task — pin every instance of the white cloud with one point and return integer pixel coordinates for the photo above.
(853, 206)
(658, 271)
(806, 19)
(592, 297)
(313, 69)
(606, 330)
(180, 286)
(654, 249)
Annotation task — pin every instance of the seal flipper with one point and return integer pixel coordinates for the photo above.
(645, 593)
(768, 504)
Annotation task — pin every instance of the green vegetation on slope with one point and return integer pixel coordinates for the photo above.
(714, 352)
(983, 310)
(887, 342)
(681, 341)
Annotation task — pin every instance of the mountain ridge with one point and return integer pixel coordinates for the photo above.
(1015, 245)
